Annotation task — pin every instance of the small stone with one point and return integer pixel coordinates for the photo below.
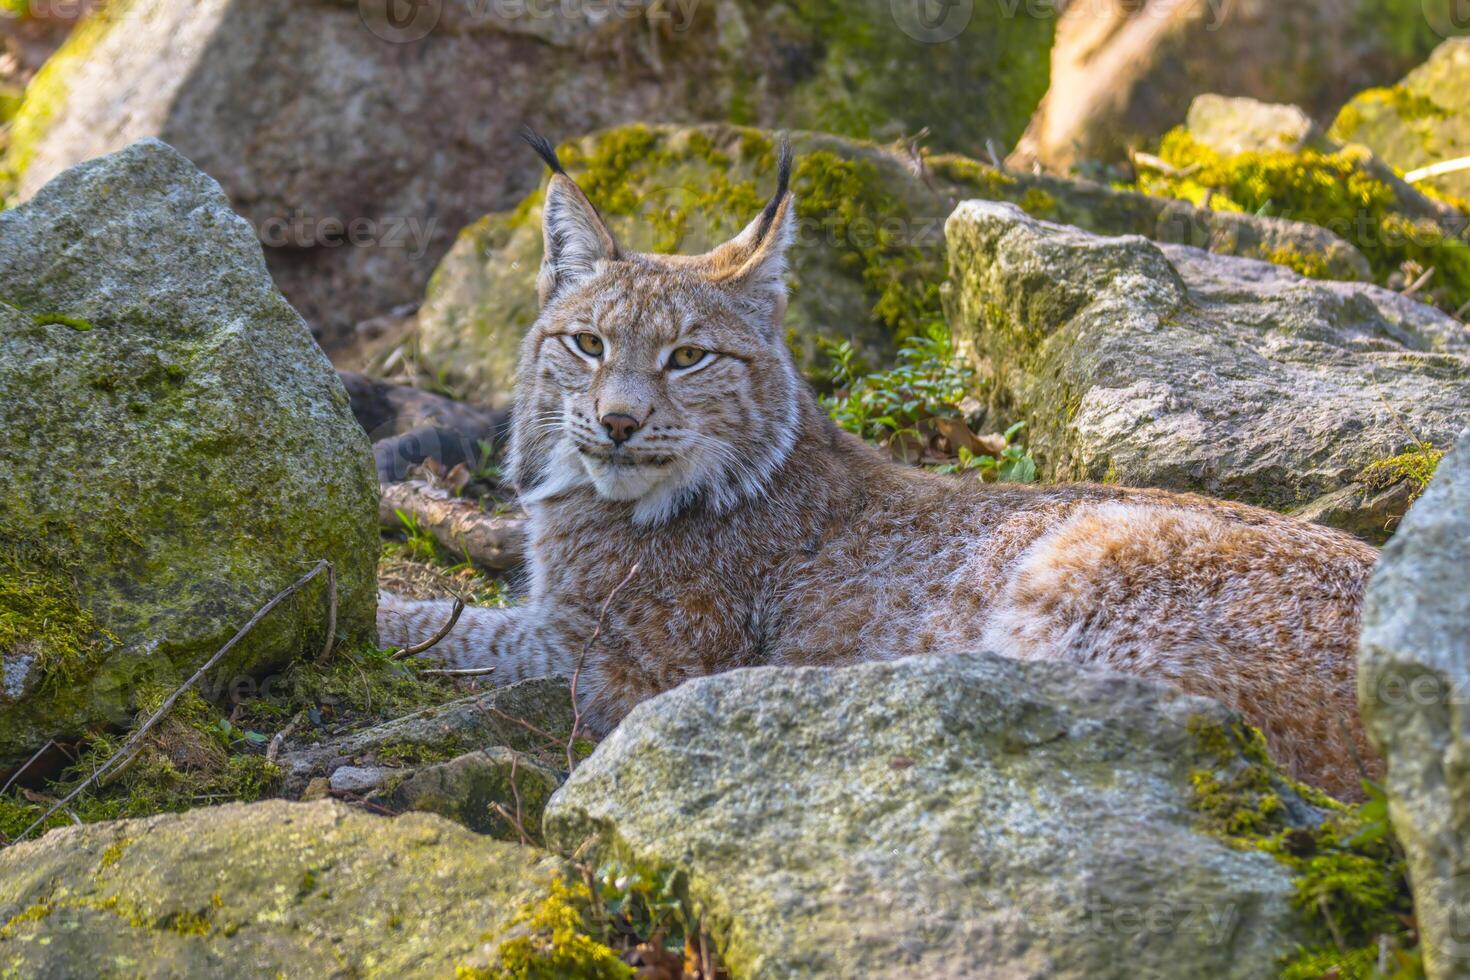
(359, 779)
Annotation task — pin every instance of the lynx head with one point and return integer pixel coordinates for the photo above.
(659, 380)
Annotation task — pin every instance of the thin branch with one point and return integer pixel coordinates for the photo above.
(432, 641)
(469, 672)
(1413, 288)
(29, 762)
(137, 737)
(524, 724)
(331, 642)
(1437, 170)
(582, 661)
(278, 741)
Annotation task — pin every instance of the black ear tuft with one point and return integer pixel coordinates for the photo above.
(783, 185)
(543, 148)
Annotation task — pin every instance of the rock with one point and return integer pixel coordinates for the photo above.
(866, 260)
(1164, 366)
(1423, 120)
(1124, 72)
(1413, 679)
(177, 451)
(1251, 157)
(357, 149)
(408, 426)
(1232, 126)
(953, 816)
(491, 718)
(263, 889)
(468, 788)
(358, 779)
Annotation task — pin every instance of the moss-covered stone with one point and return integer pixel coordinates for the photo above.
(963, 815)
(177, 451)
(1341, 188)
(1422, 120)
(265, 889)
(869, 255)
(1161, 366)
(1413, 675)
(366, 196)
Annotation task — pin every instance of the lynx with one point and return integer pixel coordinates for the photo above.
(660, 422)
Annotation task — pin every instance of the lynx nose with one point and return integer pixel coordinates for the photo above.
(620, 428)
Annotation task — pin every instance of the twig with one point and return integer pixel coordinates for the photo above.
(19, 772)
(1331, 925)
(331, 642)
(524, 724)
(137, 737)
(1437, 170)
(1419, 283)
(582, 661)
(994, 156)
(432, 641)
(517, 819)
(470, 672)
(278, 740)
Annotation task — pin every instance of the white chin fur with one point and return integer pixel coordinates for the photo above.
(624, 482)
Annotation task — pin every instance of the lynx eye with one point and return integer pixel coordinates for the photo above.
(687, 357)
(589, 344)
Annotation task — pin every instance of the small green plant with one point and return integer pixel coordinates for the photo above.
(1013, 465)
(556, 943)
(929, 381)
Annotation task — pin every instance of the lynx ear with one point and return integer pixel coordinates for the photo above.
(752, 265)
(576, 238)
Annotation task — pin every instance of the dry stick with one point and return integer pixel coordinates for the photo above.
(428, 644)
(273, 751)
(467, 672)
(128, 748)
(526, 725)
(331, 643)
(29, 762)
(516, 820)
(1419, 283)
(581, 662)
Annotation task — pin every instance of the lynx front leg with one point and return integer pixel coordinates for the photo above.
(519, 643)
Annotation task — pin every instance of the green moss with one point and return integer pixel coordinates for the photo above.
(1416, 466)
(62, 320)
(32, 913)
(1336, 189)
(115, 851)
(1310, 264)
(47, 92)
(556, 942)
(40, 614)
(1039, 204)
(1350, 882)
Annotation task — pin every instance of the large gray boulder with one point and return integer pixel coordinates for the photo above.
(264, 889)
(1164, 366)
(956, 816)
(176, 450)
(866, 261)
(1414, 687)
(358, 149)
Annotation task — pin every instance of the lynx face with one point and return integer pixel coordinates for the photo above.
(662, 381)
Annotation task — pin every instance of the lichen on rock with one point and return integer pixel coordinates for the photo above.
(1164, 366)
(169, 469)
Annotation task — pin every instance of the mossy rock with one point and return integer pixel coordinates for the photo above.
(869, 254)
(358, 159)
(266, 889)
(1239, 163)
(947, 816)
(1413, 675)
(1165, 366)
(1422, 120)
(177, 451)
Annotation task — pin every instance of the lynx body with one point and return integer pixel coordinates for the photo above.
(660, 422)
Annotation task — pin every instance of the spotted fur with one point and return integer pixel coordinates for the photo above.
(766, 535)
